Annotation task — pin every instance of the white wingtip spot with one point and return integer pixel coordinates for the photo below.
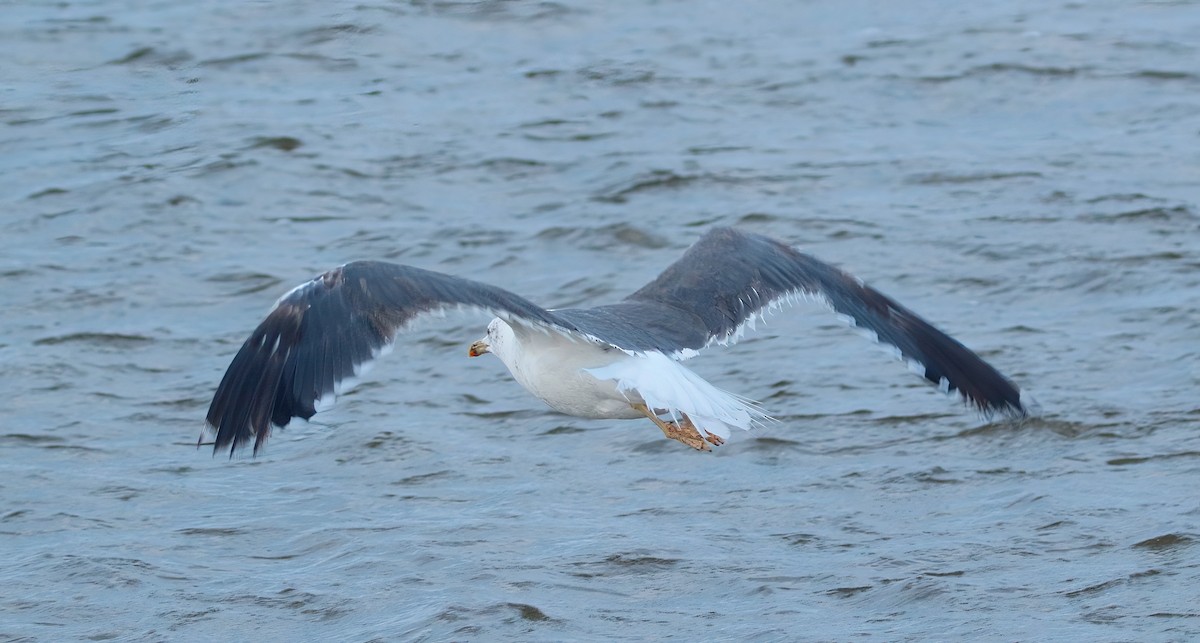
(345, 386)
(890, 349)
(322, 404)
(867, 334)
(684, 354)
(382, 351)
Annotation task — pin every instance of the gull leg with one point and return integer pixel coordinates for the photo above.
(684, 432)
(716, 440)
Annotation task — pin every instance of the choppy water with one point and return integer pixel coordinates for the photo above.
(1025, 174)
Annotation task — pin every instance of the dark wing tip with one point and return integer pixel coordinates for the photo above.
(248, 400)
(944, 361)
(313, 339)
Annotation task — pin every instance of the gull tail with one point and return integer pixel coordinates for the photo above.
(666, 386)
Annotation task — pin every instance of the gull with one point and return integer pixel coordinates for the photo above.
(616, 361)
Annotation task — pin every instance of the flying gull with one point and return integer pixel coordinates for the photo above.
(618, 361)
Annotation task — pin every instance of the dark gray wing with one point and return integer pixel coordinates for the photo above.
(322, 332)
(730, 278)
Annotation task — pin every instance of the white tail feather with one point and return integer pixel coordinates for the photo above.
(667, 386)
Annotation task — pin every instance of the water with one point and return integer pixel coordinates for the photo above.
(1023, 174)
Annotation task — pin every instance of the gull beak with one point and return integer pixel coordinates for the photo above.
(478, 348)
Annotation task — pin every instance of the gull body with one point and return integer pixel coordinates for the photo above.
(615, 361)
(556, 370)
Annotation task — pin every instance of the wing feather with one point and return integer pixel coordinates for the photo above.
(730, 278)
(327, 330)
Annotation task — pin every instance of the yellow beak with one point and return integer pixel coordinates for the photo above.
(477, 349)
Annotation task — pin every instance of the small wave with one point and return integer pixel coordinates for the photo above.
(1176, 213)
(1165, 542)
(604, 237)
(947, 178)
(98, 339)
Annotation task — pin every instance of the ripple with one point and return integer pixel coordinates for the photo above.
(423, 478)
(249, 282)
(238, 59)
(1162, 74)
(319, 35)
(605, 237)
(281, 143)
(212, 531)
(529, 612)
(1176, 213)
(626, 563)
(944, 178)
(1120, 462)
(47, 192)
(1166, 542)
(116, 340)
(848, 592)
(1007, 68)
(152, 56)
(654, 180)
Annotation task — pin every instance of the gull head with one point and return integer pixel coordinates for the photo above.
(498, 341)
(479, 348)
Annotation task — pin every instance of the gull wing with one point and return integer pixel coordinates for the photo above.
(729, 279)
(327, 330)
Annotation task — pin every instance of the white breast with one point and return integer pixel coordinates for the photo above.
(552, 367)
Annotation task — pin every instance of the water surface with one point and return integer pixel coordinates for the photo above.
(1024, 174)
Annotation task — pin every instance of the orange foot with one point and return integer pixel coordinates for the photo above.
(686, 433)
(713, 438)
(683, 431)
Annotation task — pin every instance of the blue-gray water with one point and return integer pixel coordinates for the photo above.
(1023, 173)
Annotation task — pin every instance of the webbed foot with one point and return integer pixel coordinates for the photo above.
(682, 431)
